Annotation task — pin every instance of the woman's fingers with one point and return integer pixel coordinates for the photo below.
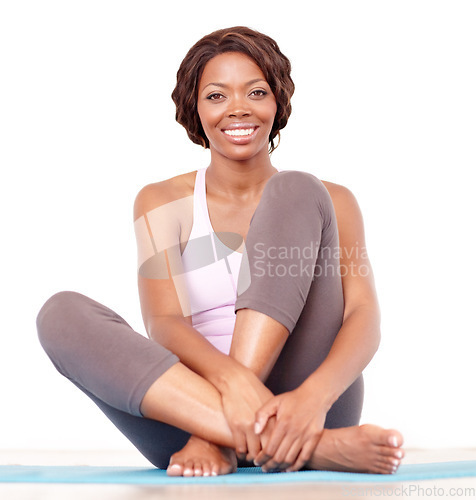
(241, 447)
(247, 443)
(305, 455)
(254, 445)
(291, 450)
(264, 413)
(272, 445)
(292, 454)
(279, 460)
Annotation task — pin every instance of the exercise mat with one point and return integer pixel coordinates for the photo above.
(244, 475)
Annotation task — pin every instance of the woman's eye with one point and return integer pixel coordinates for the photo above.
(259, 93)
(214, 97)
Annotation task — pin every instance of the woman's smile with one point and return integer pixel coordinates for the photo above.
(240, 133)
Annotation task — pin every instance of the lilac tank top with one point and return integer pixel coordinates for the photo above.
(210, 274)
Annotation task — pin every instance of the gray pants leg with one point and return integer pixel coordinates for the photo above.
(293, 260)
(103, 356)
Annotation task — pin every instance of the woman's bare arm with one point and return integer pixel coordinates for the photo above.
(160, 212)
(359, 337)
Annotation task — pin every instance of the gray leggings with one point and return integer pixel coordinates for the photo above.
(292, 247)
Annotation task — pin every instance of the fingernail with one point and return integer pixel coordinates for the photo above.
(395, 462)
(399, 454)
(214, 473)
(394, 441)
(257, 428)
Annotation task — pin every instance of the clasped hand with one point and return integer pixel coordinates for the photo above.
(297, 425)
(276, 432)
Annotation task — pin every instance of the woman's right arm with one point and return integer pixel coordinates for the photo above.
(159, 216)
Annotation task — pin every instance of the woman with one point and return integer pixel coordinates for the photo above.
(255, 350)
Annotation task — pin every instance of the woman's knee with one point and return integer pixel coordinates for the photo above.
(297, 187)
(56, 315)
(296, 180)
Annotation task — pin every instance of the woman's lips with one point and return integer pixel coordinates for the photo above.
(240, 134)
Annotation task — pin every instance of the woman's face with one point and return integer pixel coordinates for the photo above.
(236, 106)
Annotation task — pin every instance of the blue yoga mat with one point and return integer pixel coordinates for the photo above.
(245, 475)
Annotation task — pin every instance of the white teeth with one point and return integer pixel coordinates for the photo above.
(239, 131)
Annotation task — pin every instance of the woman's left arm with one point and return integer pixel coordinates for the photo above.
(359, 337)
(301, 413)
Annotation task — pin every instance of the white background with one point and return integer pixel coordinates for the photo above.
(384, 104)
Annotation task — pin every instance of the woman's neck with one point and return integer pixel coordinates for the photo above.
(239, 179)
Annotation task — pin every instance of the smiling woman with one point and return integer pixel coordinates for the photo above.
(243, 363)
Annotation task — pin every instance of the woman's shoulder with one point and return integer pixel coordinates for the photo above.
(337, 190)
(159, 193)
(344, 201)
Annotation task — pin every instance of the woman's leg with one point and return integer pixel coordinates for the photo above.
(100, 353)
(292, 251)
(292, 310)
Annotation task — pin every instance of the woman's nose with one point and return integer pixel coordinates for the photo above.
(238, 107)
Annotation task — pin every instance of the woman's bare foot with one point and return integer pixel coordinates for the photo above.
(201, 458)
(365, 448)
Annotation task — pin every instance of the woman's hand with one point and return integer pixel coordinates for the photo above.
(297, 419)
(242, 396)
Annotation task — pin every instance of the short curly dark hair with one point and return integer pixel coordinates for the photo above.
(265, 53)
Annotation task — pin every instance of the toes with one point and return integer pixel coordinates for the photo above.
(198, 469)
(199, 459)
(206, 468)
(188, 468)
(387, 451)
(382, 469)
(175, 469)
(384, 437)
(388, 465)
(215, 470)
(391, 469)
(388, 459)
(394, 438)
